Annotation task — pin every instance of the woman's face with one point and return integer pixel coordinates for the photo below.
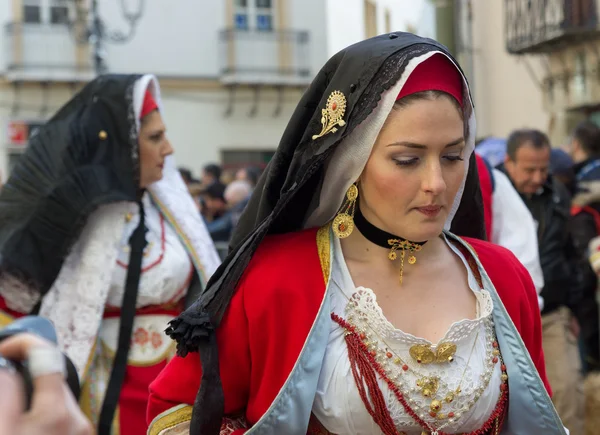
(154, 148)
(415, 169)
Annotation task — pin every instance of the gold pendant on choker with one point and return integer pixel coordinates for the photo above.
(403, 246)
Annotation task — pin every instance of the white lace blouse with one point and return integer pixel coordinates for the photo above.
(166, 266)
(338, 405)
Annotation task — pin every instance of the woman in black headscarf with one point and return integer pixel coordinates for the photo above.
(347, 306)
(99, 233)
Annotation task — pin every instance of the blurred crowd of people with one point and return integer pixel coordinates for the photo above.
(561, 188)
(221, 196)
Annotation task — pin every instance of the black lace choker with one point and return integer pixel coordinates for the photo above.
(398, 246)
(378, 236)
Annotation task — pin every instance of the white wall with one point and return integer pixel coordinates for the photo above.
(345, 24)
(311, 15)
(195, 120)
(173, 38)
(198, 128)
(183, 40)
(407, 15)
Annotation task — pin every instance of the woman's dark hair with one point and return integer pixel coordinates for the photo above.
(214, 170)
(186, 174)
(588, 135)
(253, 174)
(434, 95)
(520, 138)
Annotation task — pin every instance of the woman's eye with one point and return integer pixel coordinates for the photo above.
(406, 161)
(454, 158)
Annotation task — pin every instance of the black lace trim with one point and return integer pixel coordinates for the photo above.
(382, 80)
(133, 132)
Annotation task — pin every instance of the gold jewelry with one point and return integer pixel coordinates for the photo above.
(428, 386)
(403, 246)
(423, 354)
(343, 224)
(333, 114)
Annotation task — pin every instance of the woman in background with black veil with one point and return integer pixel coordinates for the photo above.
(99, 234)
(347, 306)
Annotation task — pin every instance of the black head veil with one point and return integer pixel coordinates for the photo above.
(85, 156)
(288, 191)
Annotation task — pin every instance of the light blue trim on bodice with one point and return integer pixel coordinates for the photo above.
(291, 410)
(530, 409)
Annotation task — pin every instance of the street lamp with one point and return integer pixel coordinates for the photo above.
(92, 29)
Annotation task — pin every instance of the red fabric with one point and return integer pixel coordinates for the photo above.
(5, 309)
(260, 337)
(517, 292)
(133, 400)
(152, 311)
(437, 73)
(149, 105)
(173, 310)
(575, 210)
(485, 182)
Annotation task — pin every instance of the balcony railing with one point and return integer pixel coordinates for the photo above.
(264, 57)
(539, 26)
(45, 52)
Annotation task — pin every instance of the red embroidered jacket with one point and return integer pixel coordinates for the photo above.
(271, 314)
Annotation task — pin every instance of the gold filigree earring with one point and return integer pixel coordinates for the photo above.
(343, 224)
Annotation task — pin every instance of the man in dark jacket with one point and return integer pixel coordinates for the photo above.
(585, 150)
(236, 195)
(527, 165)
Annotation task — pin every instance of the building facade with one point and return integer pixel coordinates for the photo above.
(231, 71)
(506, 88)
(565, 36)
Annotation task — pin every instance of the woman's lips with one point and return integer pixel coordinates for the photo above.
(430, 210)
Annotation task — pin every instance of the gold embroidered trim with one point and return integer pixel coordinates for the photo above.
(85, 400)
(5, 319)
(170, 418)
(90, 397)
(472, 250)
(323, 246)
(183, 238)
(90, 360)
(594, 257)
(116, 426)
